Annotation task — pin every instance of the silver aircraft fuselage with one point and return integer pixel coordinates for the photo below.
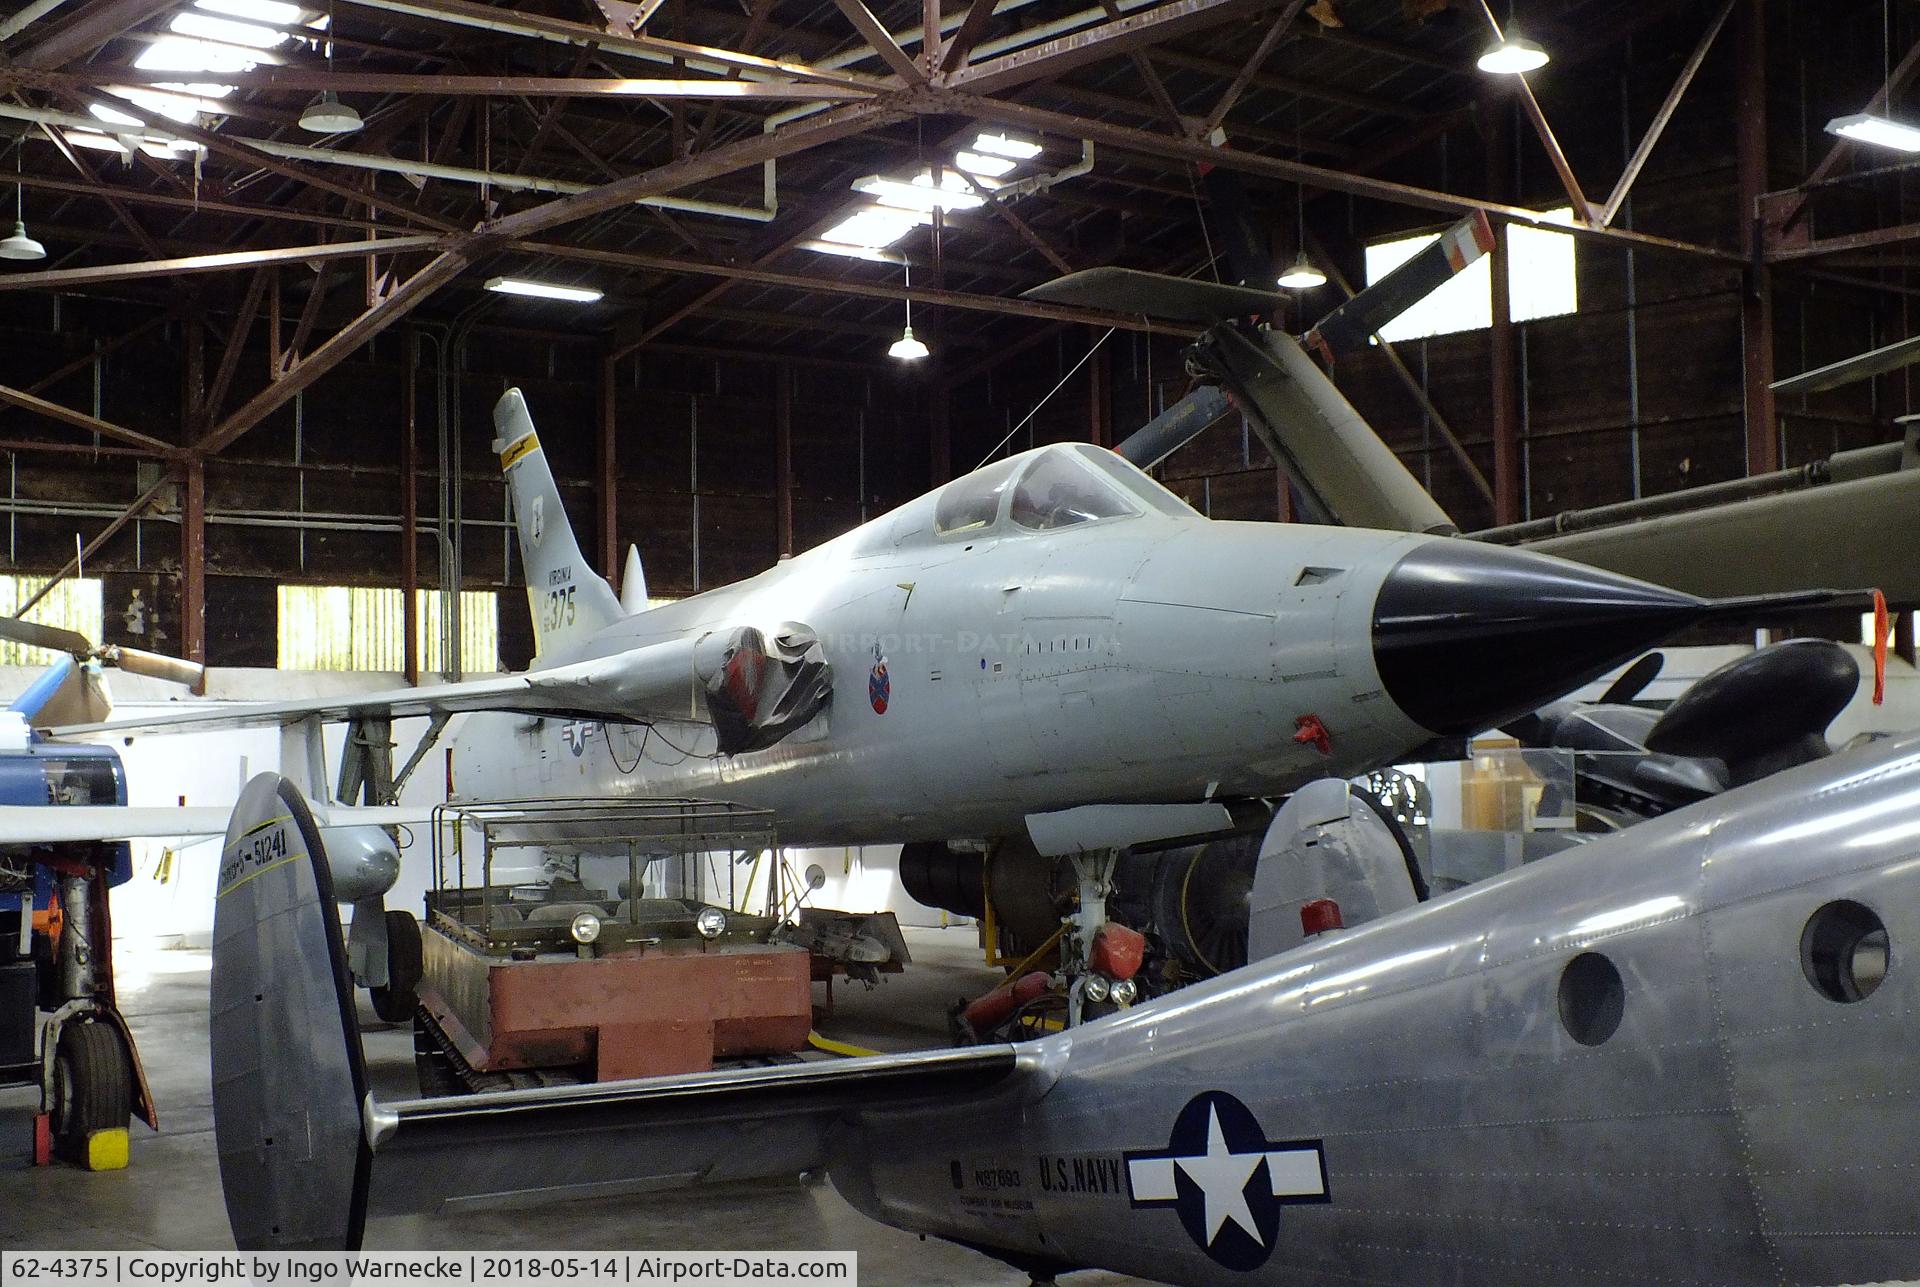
(1427, 1114)
(1681, 1054)
(978, 680)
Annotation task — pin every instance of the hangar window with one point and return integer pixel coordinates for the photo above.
(74, 604)
(1058, 490)
(972, 503)
(341, 627)
(1540, 276)
(1844, 951)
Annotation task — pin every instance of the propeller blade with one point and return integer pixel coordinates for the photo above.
(1347, 327)
(1634, 679)
(155, 665)
(1860, 366)
(1156, 295)
(35, 635)
(1175, 427)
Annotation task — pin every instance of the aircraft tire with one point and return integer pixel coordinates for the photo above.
(405, 960)
(1418, 878)
(92, 1087)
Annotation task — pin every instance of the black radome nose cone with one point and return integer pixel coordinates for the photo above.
(1467, 636)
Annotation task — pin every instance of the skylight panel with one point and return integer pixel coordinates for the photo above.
(274, 13)
(980, 165)
(920, 193)
(226, 30)
(175, 107)
(182, 54)
(876, 226)
(1006, 145)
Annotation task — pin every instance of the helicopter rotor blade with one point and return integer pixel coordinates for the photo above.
(1347, 327)
(35, 635)
(1175, 427)
(155, 665)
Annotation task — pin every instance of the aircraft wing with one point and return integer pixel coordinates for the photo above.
(655, 682)
(663, 1132)
(28, 824)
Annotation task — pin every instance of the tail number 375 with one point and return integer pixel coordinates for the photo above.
(559, 609)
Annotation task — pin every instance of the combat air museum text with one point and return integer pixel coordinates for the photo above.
(339, 1269)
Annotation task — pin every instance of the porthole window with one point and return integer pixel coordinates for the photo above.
(1844, 951)
(1592, 998)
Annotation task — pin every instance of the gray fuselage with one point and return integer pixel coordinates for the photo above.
(1147, 658)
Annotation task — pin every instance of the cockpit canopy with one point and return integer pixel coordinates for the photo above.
(1058, 486)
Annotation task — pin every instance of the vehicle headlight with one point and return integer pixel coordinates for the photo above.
(1125, 992)
(585, 928)
(711, 922)
(1096, 989)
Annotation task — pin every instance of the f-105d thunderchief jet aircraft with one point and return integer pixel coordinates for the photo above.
(1681, 1055)
(1053, 647)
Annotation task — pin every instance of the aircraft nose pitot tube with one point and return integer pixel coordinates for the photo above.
(1466, 636)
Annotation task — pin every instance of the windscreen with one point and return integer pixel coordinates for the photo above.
(1059, 490)
(972, 503)
(1136, 483)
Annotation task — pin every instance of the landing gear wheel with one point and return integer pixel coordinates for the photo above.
(92, 1092)
(395, 1002)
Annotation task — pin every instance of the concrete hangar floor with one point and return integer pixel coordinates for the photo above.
(169, 1196)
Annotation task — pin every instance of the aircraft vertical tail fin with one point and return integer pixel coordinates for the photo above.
(633, 583)
(568, 599)
(287, 1096)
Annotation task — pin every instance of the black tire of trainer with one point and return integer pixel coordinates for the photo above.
(395, 1002)
(92, 1085)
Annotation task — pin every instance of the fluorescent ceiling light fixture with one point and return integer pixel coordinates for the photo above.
(906, 348)
(876, 226)
(328, 115)
(226, 30)
(1004, 145)
(919, 193)
(181, 54)
(1864, 127)
(1511, 56)
(542, 290)
(1302, 275)
(272, 12)
(983, 165)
